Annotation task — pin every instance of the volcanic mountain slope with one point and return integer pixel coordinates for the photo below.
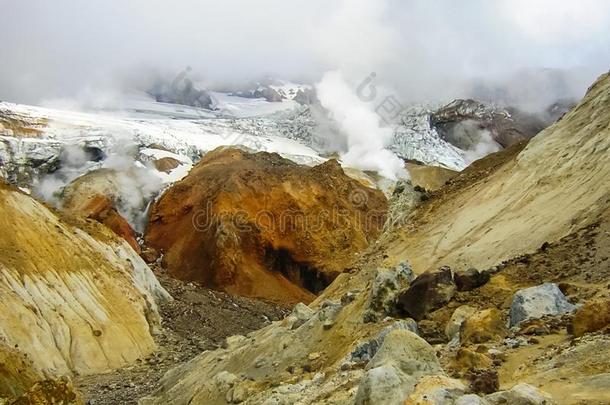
(556, 185)
(335, 353)
(75, 298)
(261, 226)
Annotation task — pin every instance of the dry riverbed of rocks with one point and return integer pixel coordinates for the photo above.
(198, 319)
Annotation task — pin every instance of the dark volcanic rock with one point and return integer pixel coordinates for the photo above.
(461, 121)
(181, 91)
(470, 279)
(484, 382)
(430, 291)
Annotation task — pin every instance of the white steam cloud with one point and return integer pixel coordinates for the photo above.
(130, 183)
(365, 137)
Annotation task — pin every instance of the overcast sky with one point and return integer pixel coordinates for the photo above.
(56, 48)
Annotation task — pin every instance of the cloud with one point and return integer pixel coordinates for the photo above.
(419, 48)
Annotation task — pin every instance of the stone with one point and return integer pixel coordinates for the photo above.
(302, 313)
(224, 380)
(534, 327)
(349, 297)
(484, 326)
(150, 255)
(231, 342)
(521, 394)
(428, 292)
(405, 271)
(393, 372)
(380, 386)
(483, 381)
(313, 356)
(458, 317)
(364, 352)
(436, 390)
(539, 301)
(593, 316)
(467, 360)
(470, 399)
(408, 352)
(329, 312)
(470, 279)
(386, 286)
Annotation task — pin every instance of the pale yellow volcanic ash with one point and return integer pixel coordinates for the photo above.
(75, 297)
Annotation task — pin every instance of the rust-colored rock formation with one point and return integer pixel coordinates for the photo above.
(92, 196)
(100, 208)
(262, 226)
(166, 164)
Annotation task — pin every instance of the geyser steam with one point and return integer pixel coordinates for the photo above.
(365, 137)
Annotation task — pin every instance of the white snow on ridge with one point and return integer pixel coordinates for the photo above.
(288, 89)
(181, 136)
(241, 107)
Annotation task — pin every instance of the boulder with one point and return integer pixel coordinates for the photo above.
(458, 317)
(483, 381)
(328, 313)
(149, 255)
(539, 301)
(470, 279)
(392, 374)
(428, 292)
(534, 327)
(484, 326)
(302, 313)
(470, 399)
(408, 352)
(521, 394)
(436, 390)
(382, 385)
(386, 285)
(593, 316)
(364, 352)
(466, 360)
